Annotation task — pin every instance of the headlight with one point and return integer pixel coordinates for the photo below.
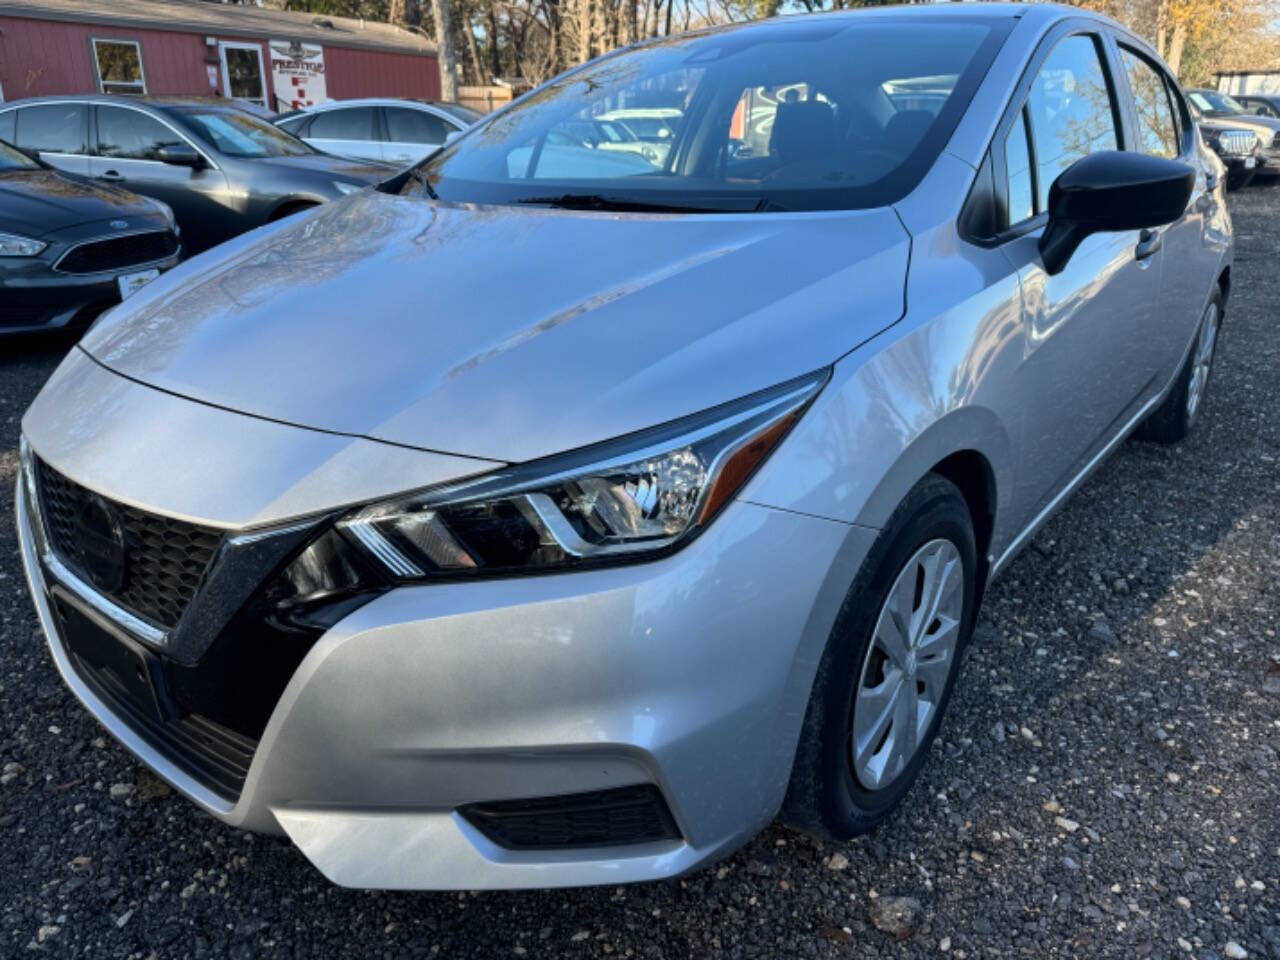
(12, 245)
(344, 188)
(632, 499)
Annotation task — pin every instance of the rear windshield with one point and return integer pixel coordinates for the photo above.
(239, 134)
(465, 114)
(794, 114)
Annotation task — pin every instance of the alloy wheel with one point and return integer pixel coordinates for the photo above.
(907, 665)
(1202, 360)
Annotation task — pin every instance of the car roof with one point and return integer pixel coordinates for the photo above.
(367, 102)
(158, 102)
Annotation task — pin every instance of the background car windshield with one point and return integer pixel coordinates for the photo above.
(240, 135)
(1215, 103)
(799, 114)
(11, 158)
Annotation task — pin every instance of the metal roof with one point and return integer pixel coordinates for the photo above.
(225, 20)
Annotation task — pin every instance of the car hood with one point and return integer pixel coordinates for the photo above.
(1265, 127)
(506, 333)
(38, 202)
(327, 165)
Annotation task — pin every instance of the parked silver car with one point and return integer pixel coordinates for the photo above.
(379, 128)
(494, 529)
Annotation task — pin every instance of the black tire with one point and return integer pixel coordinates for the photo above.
(1172, 420)
(825, 797)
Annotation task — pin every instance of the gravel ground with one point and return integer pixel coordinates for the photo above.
(1106, 784)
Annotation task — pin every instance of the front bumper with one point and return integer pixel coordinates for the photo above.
(691, 673)
(38, 295)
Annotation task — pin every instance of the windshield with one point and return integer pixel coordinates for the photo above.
(796, 114)
(238, 134)
(11, 158)
(1215, 103)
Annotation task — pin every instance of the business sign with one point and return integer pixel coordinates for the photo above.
(297, 74)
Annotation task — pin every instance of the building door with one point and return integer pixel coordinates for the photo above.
(243, 77)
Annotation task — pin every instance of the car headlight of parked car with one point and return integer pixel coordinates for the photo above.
(14, 245)
(345, 188)
(631, 499)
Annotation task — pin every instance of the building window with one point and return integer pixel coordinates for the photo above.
(119, 65)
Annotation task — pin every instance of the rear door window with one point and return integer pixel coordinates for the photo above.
(52, 128)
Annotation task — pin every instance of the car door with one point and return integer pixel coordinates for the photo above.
(1085, 367)
(1162, 127)
(126, 152)
(346, 132)
(413, 133)
(57, 132)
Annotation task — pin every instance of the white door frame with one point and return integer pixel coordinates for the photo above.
(223, 47)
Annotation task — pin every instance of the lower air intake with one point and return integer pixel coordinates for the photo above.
(601, 818)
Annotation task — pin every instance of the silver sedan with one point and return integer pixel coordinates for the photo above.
(506, 528)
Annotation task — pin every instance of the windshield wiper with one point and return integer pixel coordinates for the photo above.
(596, 201)
(395, 183)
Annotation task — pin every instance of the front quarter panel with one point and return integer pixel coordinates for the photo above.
(938, 382)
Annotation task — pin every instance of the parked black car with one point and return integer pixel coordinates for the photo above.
(221, 169)
(71, 248)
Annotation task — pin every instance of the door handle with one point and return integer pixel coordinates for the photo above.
(1149, 242)
(111, 176)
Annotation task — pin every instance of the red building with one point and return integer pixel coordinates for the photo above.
(275, 58)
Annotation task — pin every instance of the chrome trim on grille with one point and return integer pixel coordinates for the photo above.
(116, 614)
(57, 264)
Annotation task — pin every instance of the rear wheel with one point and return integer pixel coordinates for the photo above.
(887, 673)
(1175, 417)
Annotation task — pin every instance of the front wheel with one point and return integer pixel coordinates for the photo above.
(887, 673)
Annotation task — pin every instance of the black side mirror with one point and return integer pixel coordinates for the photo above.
(180, 155)
(1109, 191)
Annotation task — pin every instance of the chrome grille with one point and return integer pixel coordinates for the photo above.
(1239, 142)
(166, 559)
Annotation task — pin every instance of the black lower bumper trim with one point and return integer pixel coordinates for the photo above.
(601, 818)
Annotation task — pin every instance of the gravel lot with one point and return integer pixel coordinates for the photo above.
(1106, 784)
